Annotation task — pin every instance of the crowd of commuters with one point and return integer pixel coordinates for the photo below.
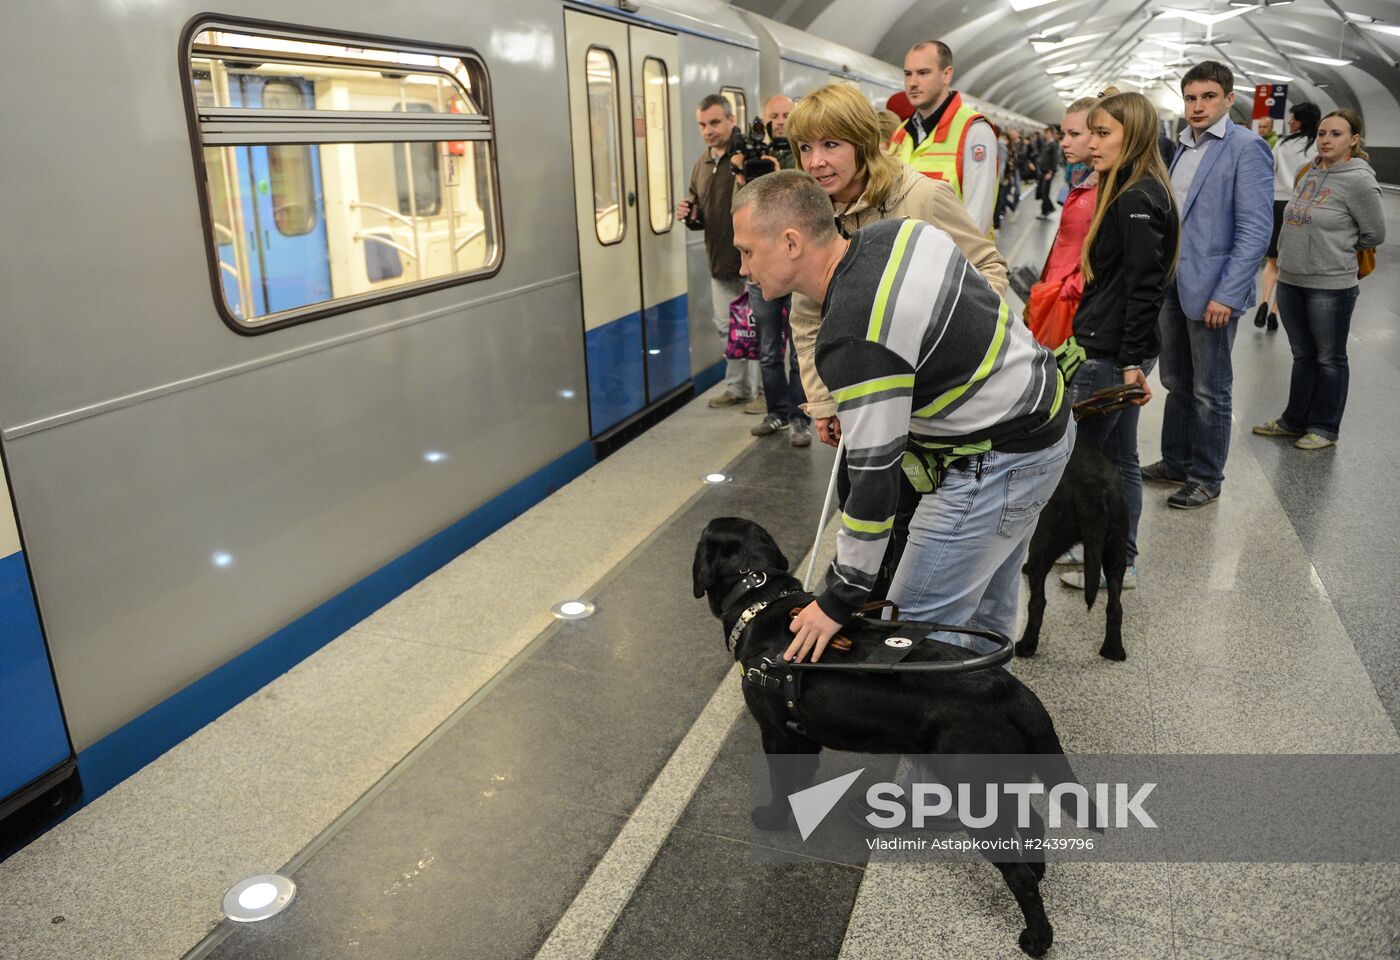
(869, 261)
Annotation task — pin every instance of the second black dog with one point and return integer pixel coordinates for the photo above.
(1088, 508)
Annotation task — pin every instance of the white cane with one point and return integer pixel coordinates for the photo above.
(826, 508)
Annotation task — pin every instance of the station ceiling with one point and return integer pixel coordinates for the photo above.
(1031, 56)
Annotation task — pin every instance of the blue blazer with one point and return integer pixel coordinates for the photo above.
(1226, 222)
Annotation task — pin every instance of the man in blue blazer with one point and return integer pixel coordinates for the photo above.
(1222, 177)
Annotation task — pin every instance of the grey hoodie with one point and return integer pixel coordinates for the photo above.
(1335, 211)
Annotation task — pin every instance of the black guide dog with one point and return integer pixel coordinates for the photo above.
(982, 712)
(1087, 507)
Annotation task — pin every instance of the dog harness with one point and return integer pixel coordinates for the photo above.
(897, 640)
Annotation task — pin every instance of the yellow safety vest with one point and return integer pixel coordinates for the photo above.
(940, 154)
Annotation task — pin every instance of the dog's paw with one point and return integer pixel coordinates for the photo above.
(1113, 653)
(772, 817)
(1027, 648)
(1036, 943)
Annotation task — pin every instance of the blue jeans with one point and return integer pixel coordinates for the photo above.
(782, 388)
(968, 540)
(1115, 434)
(1317, 322)
(1199, 378)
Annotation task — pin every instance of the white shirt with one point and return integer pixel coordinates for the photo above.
(1289, 157)
(1190, 154)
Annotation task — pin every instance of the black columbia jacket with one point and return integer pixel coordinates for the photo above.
(1131, 259)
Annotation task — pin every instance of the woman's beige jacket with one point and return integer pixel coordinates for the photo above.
(915, 197)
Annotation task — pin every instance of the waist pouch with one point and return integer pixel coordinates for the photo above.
(1068, 357)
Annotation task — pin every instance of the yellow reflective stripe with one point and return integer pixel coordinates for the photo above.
(1059, 393)
(892, 382)
(983, 369)
(882, 293)
(866, 526)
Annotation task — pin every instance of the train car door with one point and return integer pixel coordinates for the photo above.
(278, 190)
(34, 749)
(656, 109)
(290, 215)
(631, 254)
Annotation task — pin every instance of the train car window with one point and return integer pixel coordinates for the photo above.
(336, 175)
(656, 98)
(740, 103)
(605, 145)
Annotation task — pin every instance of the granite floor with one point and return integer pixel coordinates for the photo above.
(441, 785)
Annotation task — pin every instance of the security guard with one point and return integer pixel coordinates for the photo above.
(945, 138)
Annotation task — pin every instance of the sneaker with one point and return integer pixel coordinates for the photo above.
(1313, 441)
(771, 424)
(728, 400)
(800, 433)
(1075, 579)
(1192, 495)
(1261, 314)
(757, 405)
(1273, 322)
(1158, 473)
(1275, 429)
(1073, 557)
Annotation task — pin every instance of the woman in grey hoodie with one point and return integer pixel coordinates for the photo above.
(1335, 213)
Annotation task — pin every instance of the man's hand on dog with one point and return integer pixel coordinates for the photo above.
(814, 630)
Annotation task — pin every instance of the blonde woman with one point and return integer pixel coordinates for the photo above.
(835, 135)
(1335, 212)
(1127, 260)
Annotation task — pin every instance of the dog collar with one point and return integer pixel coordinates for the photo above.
(752, 580)
(748, 615)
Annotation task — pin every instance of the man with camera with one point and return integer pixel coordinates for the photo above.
(708, 208)
(765, 150)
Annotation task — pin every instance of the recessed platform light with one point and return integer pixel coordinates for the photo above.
(717, 478)
(258, 898)
(572, 610)
(435, 456)
(221, 558)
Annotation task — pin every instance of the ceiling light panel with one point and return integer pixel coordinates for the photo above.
(1204, 19)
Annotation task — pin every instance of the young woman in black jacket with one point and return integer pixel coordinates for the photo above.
(1129, 257)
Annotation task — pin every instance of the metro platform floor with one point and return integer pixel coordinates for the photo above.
(460, 777)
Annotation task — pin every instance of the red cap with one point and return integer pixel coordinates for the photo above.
(899, 104)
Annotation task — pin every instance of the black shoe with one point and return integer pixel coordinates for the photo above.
(1261, 314)
(1273, 322)
(1192, 495)
(1158, 473)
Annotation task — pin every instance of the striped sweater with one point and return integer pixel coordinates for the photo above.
(917, 348)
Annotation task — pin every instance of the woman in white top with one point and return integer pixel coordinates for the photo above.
(1290, 154)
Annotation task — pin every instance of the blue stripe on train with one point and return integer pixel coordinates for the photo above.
(33, 739)
(668, 346)
(615, 386)
(616, 361)
(129, 748)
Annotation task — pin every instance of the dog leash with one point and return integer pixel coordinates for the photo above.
(826, 508)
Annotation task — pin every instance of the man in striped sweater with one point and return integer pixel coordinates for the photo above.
(932, 375)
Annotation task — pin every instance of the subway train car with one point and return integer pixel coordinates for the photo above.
(303, 298)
